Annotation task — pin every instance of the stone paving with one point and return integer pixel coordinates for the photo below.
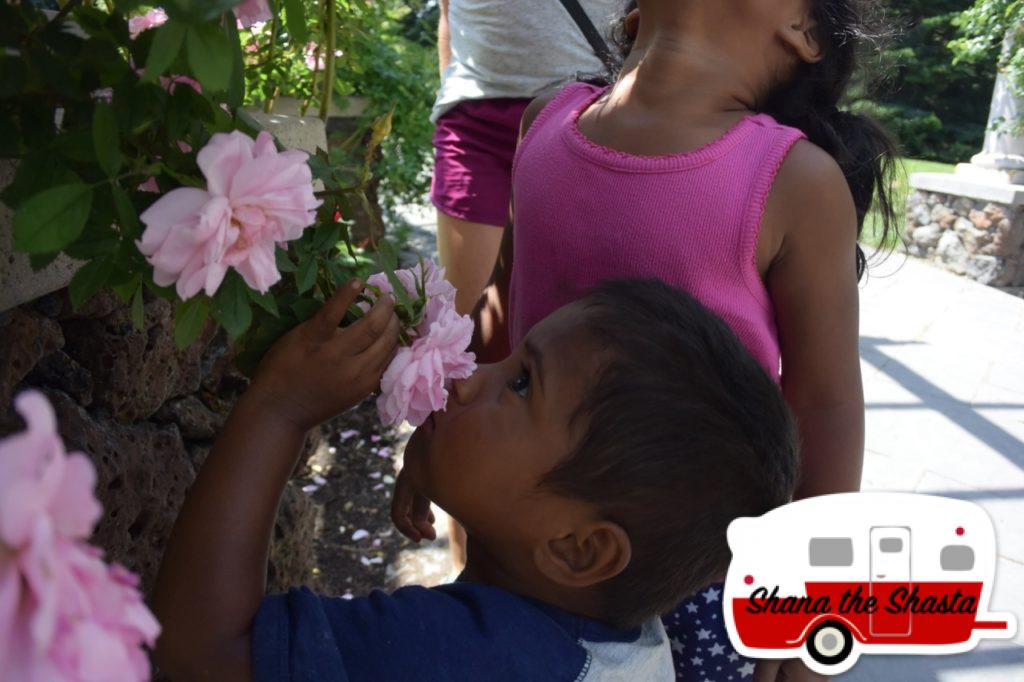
(943, 366)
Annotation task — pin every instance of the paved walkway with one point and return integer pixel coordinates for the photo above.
(943, 365)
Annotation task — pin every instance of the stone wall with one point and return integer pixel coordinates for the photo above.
(145, 412)
(980, 239)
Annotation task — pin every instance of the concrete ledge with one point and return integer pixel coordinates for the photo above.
(18, 282)
(306, 133)
(943, 183)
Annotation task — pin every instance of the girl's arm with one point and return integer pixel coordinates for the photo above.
(490, 316)
(213, 575)
(444, 40)
(813, 285)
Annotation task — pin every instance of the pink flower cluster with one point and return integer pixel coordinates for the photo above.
(151, 19)
(251, 12)
(256, 197)
(248, 12)
(416, 382)
(64, 614)
(313, 63)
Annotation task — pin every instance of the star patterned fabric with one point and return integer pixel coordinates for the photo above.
(701, 651)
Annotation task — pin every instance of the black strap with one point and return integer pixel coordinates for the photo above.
(590, 32)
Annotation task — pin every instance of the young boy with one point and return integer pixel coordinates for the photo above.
(565, 463)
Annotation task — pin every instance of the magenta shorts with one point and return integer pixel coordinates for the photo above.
(475, 143)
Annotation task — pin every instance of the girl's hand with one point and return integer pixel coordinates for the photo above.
(319, 370)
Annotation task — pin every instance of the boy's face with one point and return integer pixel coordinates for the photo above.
(504, 428)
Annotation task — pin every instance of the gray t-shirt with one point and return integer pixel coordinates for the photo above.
(517, 48)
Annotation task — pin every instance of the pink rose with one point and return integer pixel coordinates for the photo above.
(256, 197)
(251, 12)
(440, 292)
(313, 62)
(64, 614)
(415, 383)
(150, 185)
(169, 83)
(151, 19)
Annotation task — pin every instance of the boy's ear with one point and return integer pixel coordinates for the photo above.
(595, 552)
(801, 35)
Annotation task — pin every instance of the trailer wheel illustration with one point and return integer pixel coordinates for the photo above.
(830, 643)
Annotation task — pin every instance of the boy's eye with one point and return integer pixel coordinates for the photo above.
(521, 382)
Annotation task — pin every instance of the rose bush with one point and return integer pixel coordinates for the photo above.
(163, 190)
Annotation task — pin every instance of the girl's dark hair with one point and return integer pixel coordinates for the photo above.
(810, 102)
(679, 432)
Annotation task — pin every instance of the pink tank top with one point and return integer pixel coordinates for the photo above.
(585, 213)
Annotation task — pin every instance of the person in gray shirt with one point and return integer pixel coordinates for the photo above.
(495, 56)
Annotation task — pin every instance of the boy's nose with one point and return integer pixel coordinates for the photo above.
(465, 390)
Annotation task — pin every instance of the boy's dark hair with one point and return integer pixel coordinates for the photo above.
(685, 432)
(810, 102)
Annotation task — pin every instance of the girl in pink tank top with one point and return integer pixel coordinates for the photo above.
(719, 163)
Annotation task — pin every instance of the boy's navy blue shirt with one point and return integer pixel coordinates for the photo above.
(462, 631)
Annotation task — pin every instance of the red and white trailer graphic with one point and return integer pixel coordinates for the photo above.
(829, 578)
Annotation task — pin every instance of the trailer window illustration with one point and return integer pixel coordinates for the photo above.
(834, 577)
(831, 552)
(957, 558)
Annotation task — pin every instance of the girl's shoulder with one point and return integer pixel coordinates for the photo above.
(769, 124)
(556, 99)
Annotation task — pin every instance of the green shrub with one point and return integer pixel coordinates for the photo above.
(936, 107)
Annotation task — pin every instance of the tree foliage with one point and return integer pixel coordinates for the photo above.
(994, 27)
(383, 50)
(935, 105)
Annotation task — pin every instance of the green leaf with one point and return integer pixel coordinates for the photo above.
(105, 139)
(305, 278)
(398, 288)
(209, 56)
(189, 320)
(41, 169)
(232, 307)
(236, 86)
(380, 129)
(339, 275)
(166, 45)
(326, 236)
(38, 261)
(13, 75)
(212, 9)
(125, 289)
(295, 14)
(265, 301)
(388, 254)
(127, 216)
(52, 219)
(138, 314)
(306, 308)
(89, 280)
(284, 262)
